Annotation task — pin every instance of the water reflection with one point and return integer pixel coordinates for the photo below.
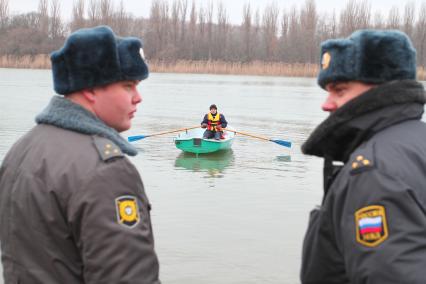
(212, 163)
(283, 158)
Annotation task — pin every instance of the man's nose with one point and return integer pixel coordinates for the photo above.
(329, 105)
(137, 98)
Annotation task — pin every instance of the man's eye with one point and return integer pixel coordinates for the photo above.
(340, 90)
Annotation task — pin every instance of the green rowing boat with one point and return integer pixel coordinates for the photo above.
(192, 141)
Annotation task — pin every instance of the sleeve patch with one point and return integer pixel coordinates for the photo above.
(371, 225)
(127, 211)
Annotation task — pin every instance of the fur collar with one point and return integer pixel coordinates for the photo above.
(359, 119)
(65, 114)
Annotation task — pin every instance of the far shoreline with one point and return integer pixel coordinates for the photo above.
(254, 68)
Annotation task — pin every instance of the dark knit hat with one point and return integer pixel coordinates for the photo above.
(94, 57)
(369, 56)
(213, 106)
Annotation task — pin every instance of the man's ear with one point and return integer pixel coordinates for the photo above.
(89, 94)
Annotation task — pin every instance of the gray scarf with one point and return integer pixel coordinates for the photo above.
(65, 114)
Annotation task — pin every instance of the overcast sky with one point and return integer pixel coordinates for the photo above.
(233, 7)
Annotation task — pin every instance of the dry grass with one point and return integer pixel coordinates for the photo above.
(237, 68)
(421, 74)
(185, 66)
(42, 61)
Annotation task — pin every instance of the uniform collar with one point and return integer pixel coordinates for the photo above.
(65, 114)
(359, 119)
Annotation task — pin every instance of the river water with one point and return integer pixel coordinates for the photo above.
(233, 217)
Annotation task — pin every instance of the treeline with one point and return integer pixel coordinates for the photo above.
(185, 30)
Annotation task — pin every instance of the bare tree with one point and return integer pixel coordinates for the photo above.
(364, 14)
(308, 21)
(56, 28)
(175, 21)
(106, 9)
(333, 25)
(175, 30)
(77, 21)
(285, 18)
(221, 36)
(294, 40)
(420, 38)
(121, 20)
(408, 27)
(356, 15)
(324, 28)
(285, 31)
(209, 14)
(183, 11)
(201, 49)
(4, 13)
(43, 17)
(93, 13)
(201, 22)
(393, 18)
(270, 30)
(348, 18)
(257, 36)
(247, 31)
(192, 30)
(158, 31)
(379, 22)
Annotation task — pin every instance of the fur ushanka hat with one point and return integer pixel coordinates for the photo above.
(369, 56)
(94, 57)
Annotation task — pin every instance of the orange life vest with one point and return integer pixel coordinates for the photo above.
(213, 121)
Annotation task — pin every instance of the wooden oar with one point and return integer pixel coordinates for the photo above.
(139, 137)
(279, 142)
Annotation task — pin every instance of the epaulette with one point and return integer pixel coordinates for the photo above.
(106, 148)
(362, 161)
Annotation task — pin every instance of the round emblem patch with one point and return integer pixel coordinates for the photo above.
(127, 211)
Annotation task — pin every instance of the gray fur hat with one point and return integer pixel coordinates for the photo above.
(369, 56)
(94, 57)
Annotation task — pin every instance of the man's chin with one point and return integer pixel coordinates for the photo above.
(122, 128)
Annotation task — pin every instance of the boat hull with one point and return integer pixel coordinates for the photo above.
(191, 141)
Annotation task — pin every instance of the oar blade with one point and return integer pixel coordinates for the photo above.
(136, 138)
(282, 143)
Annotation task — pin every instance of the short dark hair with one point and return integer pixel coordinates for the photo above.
(213, 106)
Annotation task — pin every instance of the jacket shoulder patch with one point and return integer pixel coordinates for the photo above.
(127, 211)
(371, 225)
(106, 148)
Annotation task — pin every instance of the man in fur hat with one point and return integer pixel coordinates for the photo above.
(73, 208)
(371, 226)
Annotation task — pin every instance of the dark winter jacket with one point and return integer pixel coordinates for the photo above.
(371, 226)
(73, 209)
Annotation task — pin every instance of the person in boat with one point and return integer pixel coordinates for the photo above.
(73, 208)
(371, 226)
(214, 122)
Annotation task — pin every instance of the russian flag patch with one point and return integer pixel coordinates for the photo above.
(371, 226)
